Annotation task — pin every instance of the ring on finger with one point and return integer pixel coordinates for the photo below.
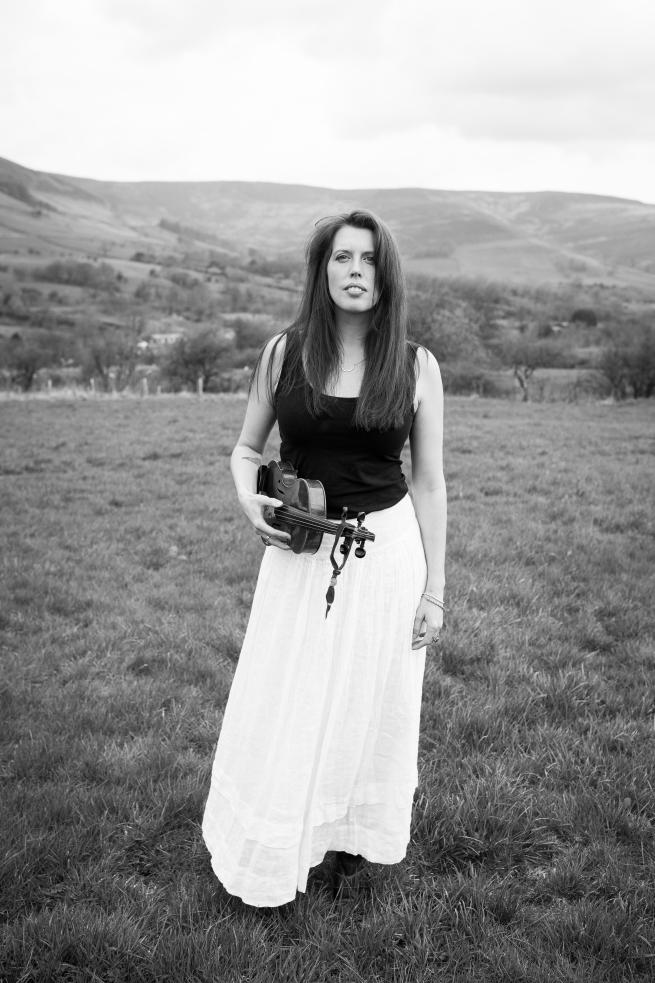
(266, 540)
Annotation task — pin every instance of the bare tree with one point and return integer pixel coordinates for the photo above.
(525, 357)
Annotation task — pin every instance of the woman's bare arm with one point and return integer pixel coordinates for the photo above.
(247, 454)
(429, 492)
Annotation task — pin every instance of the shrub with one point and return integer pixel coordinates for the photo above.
(462, 379)
(182, 279)
(585, 315)
(98, 276)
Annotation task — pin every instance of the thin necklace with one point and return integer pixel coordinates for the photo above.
(352, 368)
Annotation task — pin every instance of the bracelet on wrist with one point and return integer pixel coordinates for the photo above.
(434, 600)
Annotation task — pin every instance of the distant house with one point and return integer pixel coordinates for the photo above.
(158, 341)
(162, 339)
(214, 272)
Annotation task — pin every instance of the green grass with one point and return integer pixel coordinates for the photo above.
(127, 572)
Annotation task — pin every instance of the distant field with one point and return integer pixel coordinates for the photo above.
(127, 572)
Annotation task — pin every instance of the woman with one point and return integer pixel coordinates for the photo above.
(318, 747)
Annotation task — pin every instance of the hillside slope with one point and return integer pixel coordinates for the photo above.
(522, 237)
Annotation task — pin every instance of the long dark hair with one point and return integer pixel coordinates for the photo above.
(313, 344)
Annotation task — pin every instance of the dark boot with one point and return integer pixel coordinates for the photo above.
(346, 866)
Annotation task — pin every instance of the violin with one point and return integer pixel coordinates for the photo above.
(302, 515)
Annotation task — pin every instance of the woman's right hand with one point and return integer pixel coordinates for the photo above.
(258, 509)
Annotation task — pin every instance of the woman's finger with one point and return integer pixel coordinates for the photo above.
(419, 620)
(268, 503)
(428, 622)
(271, 532)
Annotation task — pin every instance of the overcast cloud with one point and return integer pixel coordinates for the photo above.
(510, 95)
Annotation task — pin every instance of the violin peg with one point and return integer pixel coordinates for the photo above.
(360, 551)
(360, 518)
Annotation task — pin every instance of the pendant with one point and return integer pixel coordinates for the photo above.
(344, 369)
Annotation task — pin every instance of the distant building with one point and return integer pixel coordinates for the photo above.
(163, 339)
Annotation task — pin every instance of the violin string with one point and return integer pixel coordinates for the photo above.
(303, 518)
(309, 524)
(321, 525)
(312, 524)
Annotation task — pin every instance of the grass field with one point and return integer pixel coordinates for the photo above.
(127, 572)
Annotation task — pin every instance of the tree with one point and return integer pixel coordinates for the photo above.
(447, 326)
(611, 363)
(24, 358)
(197, 360)
(640, 362)
(253, 330)
(526, 356)
(628, 363)
(109, 355)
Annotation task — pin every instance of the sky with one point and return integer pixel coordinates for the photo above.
(514, 95)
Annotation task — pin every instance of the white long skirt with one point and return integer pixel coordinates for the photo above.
(318, 746)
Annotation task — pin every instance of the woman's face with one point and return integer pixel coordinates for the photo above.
(351, 270)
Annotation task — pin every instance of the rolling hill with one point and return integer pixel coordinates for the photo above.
(527, 238)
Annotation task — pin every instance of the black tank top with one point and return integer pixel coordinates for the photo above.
(360, 469)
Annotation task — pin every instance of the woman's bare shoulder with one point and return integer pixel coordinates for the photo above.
(428, 375)
(272, 357)
(275, 347)
(425, 360)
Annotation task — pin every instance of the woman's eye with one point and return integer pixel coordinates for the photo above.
(340, 258)
(370, 259)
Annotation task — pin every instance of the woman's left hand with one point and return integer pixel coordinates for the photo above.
(427, 624)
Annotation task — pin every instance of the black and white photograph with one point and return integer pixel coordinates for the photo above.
(327, 491)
